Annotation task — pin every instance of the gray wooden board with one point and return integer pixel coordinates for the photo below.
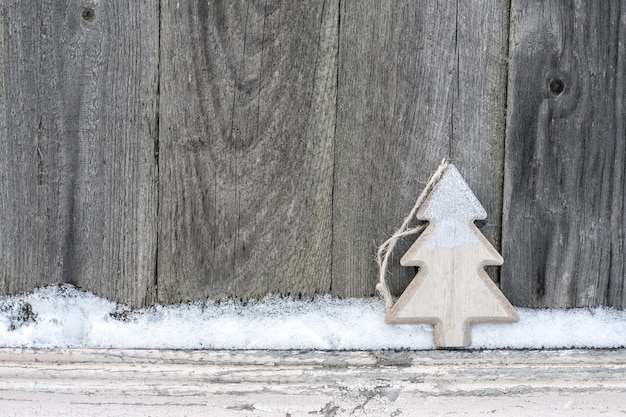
(77, 130)
(246, 148)
(564, 222)
(105, 382)
(396, 71)
(416, 84)
(477, 148)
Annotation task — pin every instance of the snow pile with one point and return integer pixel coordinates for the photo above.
(63, 316)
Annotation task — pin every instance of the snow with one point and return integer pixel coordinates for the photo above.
(452, 198)
(62, 316)
(453, 207)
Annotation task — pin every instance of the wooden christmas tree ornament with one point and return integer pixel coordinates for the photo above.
(451, 290)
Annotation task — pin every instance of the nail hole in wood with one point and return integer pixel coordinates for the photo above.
(89, 14)
(557, 86)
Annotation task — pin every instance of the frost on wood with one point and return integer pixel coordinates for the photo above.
(451, 290)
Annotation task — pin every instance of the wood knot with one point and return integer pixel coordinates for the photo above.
(89, 14)
(557, 86)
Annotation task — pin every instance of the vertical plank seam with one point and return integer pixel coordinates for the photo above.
(334, 138)
(4, 130)
(615, 289)
(157, 144)
(503, 130)
(71, 151)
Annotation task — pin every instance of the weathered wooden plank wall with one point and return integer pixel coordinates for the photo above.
(246, 148)
(565, 226)
(77, 132)
(416, 84)
(164, 151)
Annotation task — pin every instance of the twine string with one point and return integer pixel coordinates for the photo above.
(384, 251)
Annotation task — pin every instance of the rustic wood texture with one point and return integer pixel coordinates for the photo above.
(78, 117)
(451, 291)
(105, 382)
(479, 106)
(564, 222)
(415, 85)
(268, 180)
(246, 148)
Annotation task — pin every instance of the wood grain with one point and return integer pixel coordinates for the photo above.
(564, 222)
(396, 71)
(451, 290)
(246, 148)
(477, 148)
(416, 84)
(77, 382)
(77, 130)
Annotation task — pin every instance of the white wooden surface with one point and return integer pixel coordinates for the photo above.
(78, 382)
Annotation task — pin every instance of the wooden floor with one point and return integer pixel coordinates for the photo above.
(83, 382)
